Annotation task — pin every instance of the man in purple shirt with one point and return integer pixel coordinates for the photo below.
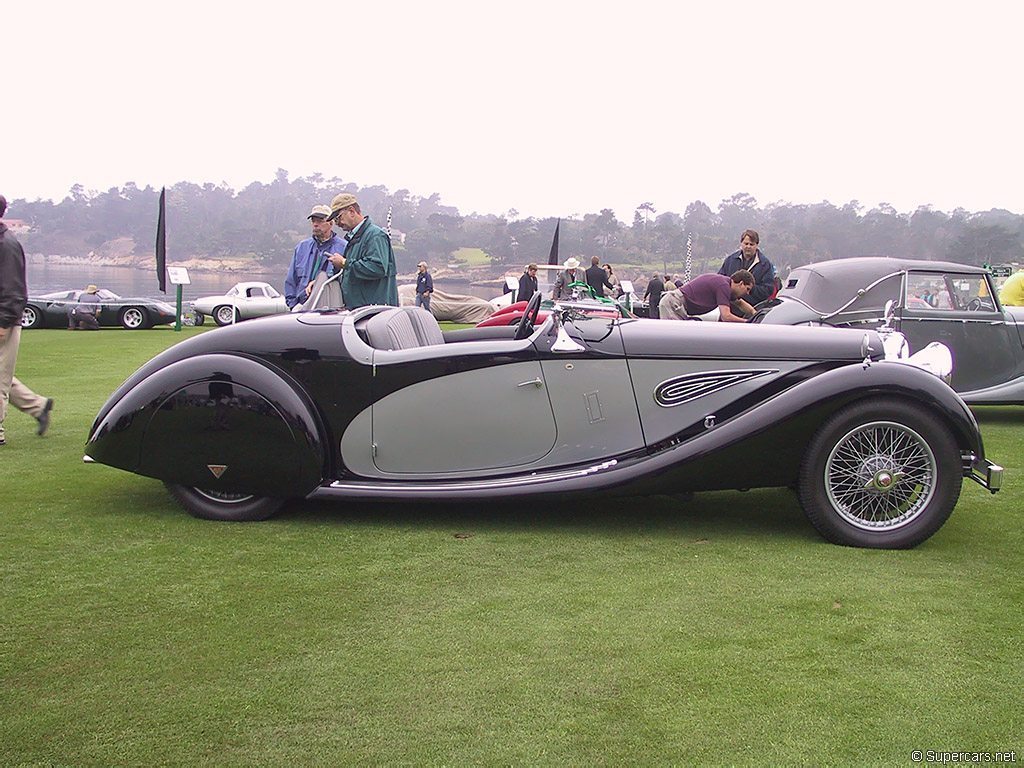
(706, 292)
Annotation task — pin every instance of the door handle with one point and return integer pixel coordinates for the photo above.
(536, 382)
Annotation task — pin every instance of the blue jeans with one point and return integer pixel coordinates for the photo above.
(423, 300)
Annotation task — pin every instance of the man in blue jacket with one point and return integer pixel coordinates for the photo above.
(750, 258)
(310, 256)
(369, 275)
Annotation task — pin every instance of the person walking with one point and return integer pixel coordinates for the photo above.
(13, 297)
(424, 286)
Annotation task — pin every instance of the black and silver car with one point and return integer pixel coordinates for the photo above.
(380, 404)
(50, 310)
(955, 304)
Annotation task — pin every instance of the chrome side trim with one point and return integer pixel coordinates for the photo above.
(508, 483)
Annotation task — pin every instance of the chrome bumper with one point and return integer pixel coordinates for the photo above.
(983, 472)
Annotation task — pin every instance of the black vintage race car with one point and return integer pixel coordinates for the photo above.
(954, 304)
(50, 310)
(380, 404)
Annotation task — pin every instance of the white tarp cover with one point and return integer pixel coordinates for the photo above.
(454, 307)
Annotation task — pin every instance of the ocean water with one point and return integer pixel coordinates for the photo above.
(127, 281)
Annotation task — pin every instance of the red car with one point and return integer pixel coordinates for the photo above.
(513, 313)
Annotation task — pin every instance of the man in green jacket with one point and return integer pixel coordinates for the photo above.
(369, 273)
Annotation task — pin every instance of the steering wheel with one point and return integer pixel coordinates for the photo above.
(529, 318)
(976, 305)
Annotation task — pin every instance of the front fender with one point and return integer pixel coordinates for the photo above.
(218, 421)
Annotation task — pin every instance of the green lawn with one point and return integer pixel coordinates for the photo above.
(649, 631)
(471, 257)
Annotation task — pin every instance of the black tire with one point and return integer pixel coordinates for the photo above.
(133, 318)
(882, 474)
(200, 319)
(222, 315)
(31, 317)
(224, 507)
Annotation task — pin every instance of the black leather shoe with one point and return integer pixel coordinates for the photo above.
(44, 417)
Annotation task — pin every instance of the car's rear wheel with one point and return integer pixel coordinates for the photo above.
(881, 474)
(31, 317)
(225, 507)
(133, 318)
(224, 314)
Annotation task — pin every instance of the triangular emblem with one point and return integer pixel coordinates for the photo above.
(217, 469)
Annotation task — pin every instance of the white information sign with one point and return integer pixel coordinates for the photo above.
(178, 276)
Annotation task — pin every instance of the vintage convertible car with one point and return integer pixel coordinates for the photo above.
(243, 302)
(955, 304)
(319, 405)
(50, 310)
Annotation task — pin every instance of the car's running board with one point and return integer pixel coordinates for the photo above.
(470, 489)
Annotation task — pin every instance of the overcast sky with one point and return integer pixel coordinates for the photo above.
(552, 108)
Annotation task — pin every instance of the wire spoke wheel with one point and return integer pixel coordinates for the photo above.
(880, 476)
(880, 473)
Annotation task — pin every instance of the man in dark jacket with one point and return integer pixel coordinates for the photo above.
(527, 283)
(13, 297)
(750, 258)
(370, 275)
(653, 295)
(597, 278)
(424, 286)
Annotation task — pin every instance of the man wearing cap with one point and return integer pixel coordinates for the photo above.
(424, 286)
(566, 277)
(85, 316)
(13, 297)
(310, 257)
(368, 268)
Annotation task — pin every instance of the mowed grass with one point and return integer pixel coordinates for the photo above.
(640, 631)
(471, 257)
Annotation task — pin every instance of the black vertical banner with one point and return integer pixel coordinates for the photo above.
(553, 256)
(161, 244)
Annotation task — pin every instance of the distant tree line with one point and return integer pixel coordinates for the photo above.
(263, 222)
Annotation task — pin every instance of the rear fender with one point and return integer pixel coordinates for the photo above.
(220, 422)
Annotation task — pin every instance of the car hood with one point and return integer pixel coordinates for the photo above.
(664, 338)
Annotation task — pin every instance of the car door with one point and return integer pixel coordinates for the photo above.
(960, 311)
(450, 411)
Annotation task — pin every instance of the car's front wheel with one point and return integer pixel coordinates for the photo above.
(225, 507)
(133, 318)
(31, 317)
(882, 474)
(224, 314)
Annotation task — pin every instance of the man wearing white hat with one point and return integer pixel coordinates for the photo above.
(310, 257)
(571, 274)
